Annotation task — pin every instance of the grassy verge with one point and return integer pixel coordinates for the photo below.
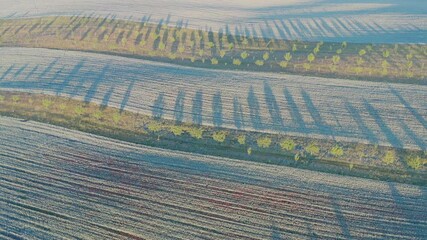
(353, 159)
(380, 62)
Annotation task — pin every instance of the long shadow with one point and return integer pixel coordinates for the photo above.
(158, 106)
(341, 219)
(7, 72)
(197, 107)
(20, 28)
(48, 69)
(107, 97)
(420, 143)
(49, 24)
(20, 70)
(217, 109)
(179, 106)
(407, 212)
(391, 137)
(295, 113)
(238, 114)
(361, 123)
(273, 107)
(31, 73)
(127, 95)
(254, 109)
(95, 84)
(408, 106)
(314, 113)
(70, 76)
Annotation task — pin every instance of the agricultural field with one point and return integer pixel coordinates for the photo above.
(213, 120)
(68, 184)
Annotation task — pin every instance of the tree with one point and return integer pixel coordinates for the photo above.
(311, 57)
(288, 56)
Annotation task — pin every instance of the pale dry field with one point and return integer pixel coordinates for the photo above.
(56, 183)
(366, 21)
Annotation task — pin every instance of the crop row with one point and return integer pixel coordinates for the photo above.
(218, 50)
(270, 148)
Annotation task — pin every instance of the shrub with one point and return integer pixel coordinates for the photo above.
(201, 52)
(337, 151)
(287, 145)
(1, 98)
(339, 51)
(237, 62)
(362, 52)
(259, 62)
(294, 47)
(214, 61)
(241, 139)
(297, 157)
(249, 151)
(222, 53)
(62, 106)
(244, 55)
(47, 103)
(116, 118)
(219, 136)
(79, 110)
(154, 126)
(389, 157)
(310, 57)
(181, 49)
(263, 142)
(176, 130)
(172, 56)
(195, 132)
(288, 56)
(230, 46)
(312, 149)
(283, 64)
(265, 56)
(16, 98)
(97, 115)
(336, 59)
(415, 162)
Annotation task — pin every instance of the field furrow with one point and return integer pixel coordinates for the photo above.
(63, 183)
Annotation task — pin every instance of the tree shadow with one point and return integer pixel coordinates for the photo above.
(408, 106)
(314, 113)
(7, 72)
(20, 70)
(95, 84)
(254, 109)
(341, 219)
(391, 137)
(179, 106)
(197, 107)
(158, 106)
(70, 76)
(238, 114)
(107, 97)
(371, 137)
(295, 113)
(217, 109)
(273, 107)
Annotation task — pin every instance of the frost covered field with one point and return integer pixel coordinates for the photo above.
(377, 113)
(373, 21)
(57, 183)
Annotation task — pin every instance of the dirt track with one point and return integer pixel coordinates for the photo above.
(379, 113)
(56, 183)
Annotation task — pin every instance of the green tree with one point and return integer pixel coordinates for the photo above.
(288, 145)
(311, 57)
(264, 142)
